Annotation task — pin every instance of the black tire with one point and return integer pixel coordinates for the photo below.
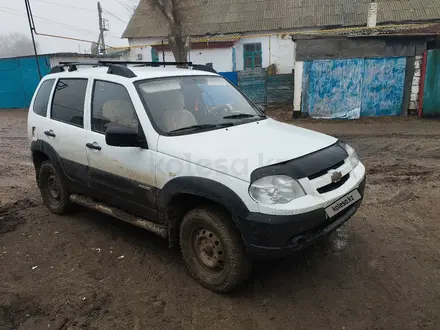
(213, 249)
(53, 190)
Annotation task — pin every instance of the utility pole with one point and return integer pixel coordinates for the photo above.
(102, 29)
(32, 29)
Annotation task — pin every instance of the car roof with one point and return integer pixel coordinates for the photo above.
(141, 73)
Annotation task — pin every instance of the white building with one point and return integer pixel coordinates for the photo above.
(297, 38)
(227, 53)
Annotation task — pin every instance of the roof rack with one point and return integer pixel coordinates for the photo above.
(120, 67)
(200, 67)
(117, 69)
(72, 66)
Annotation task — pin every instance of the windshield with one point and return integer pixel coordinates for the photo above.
(186, 104)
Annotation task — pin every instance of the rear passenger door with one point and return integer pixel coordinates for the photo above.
(65, 130)
(38, 115)
(124, 176)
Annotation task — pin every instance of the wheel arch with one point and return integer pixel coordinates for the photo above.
(41, 152)
(182, 194)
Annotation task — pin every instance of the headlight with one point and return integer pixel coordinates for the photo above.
(277, 189)
(353, 158)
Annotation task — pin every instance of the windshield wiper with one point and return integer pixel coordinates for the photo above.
(201, 127)
(241, 115)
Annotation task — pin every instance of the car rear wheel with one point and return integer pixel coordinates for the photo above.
(53, 191)
(213, 249)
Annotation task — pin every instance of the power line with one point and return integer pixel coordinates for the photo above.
(115, 16)
(58, 36)
(10, 12)
(69, 38)
(82, 9)
(52, 22)
(49, 20)
(67, 6)
(128, 8)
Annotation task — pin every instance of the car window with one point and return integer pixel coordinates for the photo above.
(68, 101)
(183, 102)
(112, 106)
(42, 98)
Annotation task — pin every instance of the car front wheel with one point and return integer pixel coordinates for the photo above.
(213, 249)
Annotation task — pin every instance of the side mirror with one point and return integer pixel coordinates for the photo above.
(261, 108)
(122, 137)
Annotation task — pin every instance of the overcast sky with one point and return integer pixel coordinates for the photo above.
(76, 19)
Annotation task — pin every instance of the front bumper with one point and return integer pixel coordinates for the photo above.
(275, 236)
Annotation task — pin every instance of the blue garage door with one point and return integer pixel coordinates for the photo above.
(383, 86)
(19, 79)
(354, 87)
(333, 88)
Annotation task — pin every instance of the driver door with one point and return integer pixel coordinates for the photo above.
(123, 177)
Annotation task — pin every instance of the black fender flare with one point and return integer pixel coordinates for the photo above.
(206, 188)
(49, 151)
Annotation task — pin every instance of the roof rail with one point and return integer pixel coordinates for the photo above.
(117, 69)
(72, 66)
(120, 67)
(143, 63)
(120, 70)
(200, 67)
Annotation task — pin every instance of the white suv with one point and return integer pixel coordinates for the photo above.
(184, 154)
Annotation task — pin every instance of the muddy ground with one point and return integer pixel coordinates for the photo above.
(88, 271)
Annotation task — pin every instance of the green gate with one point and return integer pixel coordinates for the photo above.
(431, 98)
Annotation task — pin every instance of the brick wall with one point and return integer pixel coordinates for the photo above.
(414, 98)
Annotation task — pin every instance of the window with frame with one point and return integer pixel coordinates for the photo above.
(154, 55)
(112, 107)
(42, 98)
(253, 57)
(68, 101)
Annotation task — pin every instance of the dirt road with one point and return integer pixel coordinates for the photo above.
(88, 271)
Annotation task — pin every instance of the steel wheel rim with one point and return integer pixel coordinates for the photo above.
(53, 188)
(209, 250)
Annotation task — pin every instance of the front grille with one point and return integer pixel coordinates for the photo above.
(333, 186)
(325, 171)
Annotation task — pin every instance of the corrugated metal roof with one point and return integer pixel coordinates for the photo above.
(426, 29)
(204, 17)
(218, 38)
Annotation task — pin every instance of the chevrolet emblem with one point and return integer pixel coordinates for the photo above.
(336, 176)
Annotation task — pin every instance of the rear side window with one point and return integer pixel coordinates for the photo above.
(112, 107)
(68, 101)
(42, 98)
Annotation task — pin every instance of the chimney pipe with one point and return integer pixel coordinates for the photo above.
(372, 14)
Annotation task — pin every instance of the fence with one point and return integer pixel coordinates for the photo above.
(264, 89)
(19, 79)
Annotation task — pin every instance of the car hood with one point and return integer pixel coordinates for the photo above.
(239, 150)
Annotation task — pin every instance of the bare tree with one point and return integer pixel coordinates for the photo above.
(15, 44)
(172, 10)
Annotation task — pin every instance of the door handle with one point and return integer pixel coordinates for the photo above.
(93, 145)
(49, 133)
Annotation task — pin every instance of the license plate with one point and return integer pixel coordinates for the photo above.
(343, 203)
